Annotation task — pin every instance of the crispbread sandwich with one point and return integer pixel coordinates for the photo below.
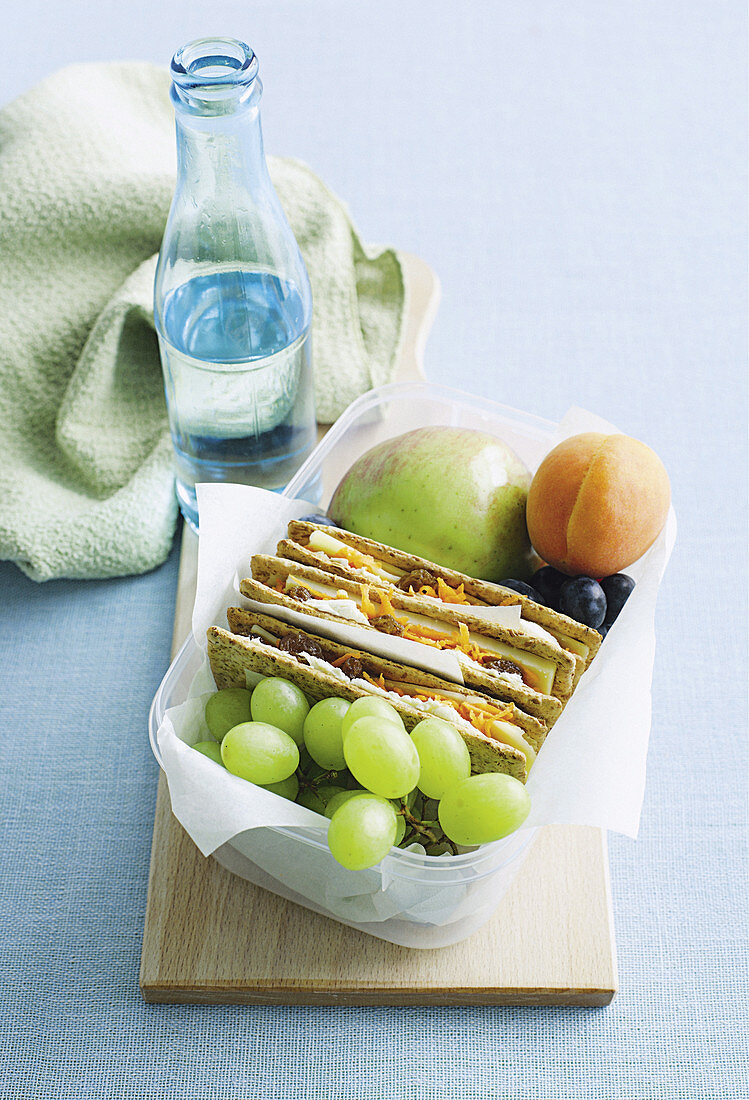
(348, 555)
(535, 672)
(498, 735)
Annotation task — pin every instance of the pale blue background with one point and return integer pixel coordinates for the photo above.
(575, 172)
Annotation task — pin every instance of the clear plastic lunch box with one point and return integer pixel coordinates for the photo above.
(409, 899)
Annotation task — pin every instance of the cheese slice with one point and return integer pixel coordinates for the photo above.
(541, 669)
(329, 545)
(574, 646)
(513, 735)
(315, 587)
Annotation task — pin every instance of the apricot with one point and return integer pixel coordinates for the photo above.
(596, 503)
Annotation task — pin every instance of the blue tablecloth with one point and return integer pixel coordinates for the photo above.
(575, 175)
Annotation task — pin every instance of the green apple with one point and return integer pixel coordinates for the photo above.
(453, 495)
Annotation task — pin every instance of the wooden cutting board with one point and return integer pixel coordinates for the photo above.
(210, 937)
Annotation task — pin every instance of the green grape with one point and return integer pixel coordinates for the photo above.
(484, 808)
(382, 757)
(225, 709)
(362, 831)
(287, 788)
(259, 752)
(211, 749)
(370, 706)
(280, 703)
(443, 756)
(322, 732)
(338, 799)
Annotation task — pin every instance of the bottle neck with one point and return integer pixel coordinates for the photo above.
(214, 151)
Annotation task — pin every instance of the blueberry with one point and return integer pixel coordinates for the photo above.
(524, 589)
(547, 581)
(318, 517)
(583, 599)
(617, 589)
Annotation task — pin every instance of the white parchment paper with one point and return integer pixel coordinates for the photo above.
(590, 771)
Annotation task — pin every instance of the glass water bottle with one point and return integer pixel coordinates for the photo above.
(232, 300)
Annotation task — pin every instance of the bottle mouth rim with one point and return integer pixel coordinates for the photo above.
(214, 62)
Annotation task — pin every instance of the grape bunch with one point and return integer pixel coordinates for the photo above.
(356, 764)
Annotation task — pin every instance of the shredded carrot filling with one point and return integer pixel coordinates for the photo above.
(383, 605)
(366, 604)
(443, 592)
(339, 660)
(353, 557)
(444, 641)
(451, 595)
(479, 717)
(379, 682)
(424, 641)
(478, 720)
(461, 642)
(421, 633)
(386, 608)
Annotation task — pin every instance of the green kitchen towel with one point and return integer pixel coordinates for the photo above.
(87, 170)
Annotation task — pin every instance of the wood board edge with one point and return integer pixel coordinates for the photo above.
(154, 993)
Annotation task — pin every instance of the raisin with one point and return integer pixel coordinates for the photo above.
(352, 667)
(503, 665)
(388, 625)
(416, 579)
(297, 592)
(297, 644)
